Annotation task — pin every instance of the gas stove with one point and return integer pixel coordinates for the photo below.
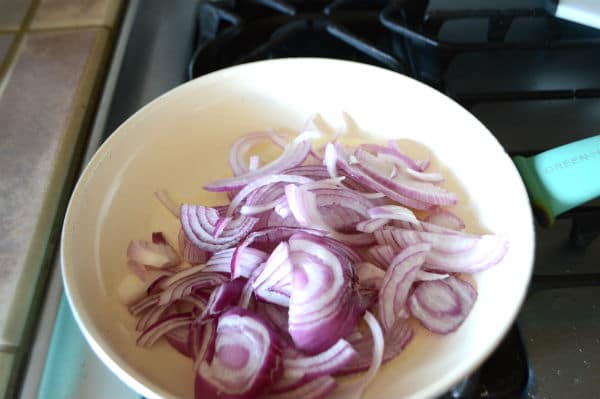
(530, 78)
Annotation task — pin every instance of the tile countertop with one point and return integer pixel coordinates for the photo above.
(53, 55)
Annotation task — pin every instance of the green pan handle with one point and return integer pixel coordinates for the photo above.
(562, 178)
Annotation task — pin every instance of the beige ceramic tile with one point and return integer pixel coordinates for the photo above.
(5, 42)
(71, 13)
(43, 105)
(6, 363)
(12, 13)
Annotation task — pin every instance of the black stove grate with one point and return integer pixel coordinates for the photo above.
(410, 38)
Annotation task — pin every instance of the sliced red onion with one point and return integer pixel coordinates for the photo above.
(395, 340)
(319, 388)
(393, 212)
(398, 279)
(254, 162)
(425, 275)
(150, 254)
(247, 260)
(240, 147)
(442, 305)
(189, 252)
(160, 328)
(341, 197)
(303, 204)
(431, 177)
(313, 172)
(220, 261)
(162, 284)
(297, 252)
(159, 238)
(202, 341)
(428, 227)
(382, 255)
(144, 304)
(167, 202)
(273, 284)
(260, 182)
(369, 275)
(392, 152)
(378, 350)
(199, 224)
(323, 304)
(300, 369)
(294, 154)
(245, 361)
(446, 243)
(451, 252)
(407, 187)
(445, 218)
(359, 175)
(225, 296)
(371, 225)
(330, 160)
(151, 316)
(394, 149)
(186, 285)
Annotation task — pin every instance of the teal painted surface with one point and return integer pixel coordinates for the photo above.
(65, 360)
(72, 370)
(564, 177)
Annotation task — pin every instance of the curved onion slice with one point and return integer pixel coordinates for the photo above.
(442, 305)
(366, 180)
(293, 155)
(395, 340)
(240, 147)
(225, 296)
(258, 183)
(160, 328)
(273, 284)
(189, 252)
(303, 205)
(445, 218)
(245, 361)
(393, 151)
(200, 224)
(382, 255)
(202, 341)
(300, 369)
(378, 351)
(322, 299)
(456, 252)
(393, 212)
(397, 282)
(405, 186)
(371, 225)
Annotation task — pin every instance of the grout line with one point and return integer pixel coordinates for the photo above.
(12, 51)
(63, 28)
(8, 348)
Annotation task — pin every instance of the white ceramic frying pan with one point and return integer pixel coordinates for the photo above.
(180, 142)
